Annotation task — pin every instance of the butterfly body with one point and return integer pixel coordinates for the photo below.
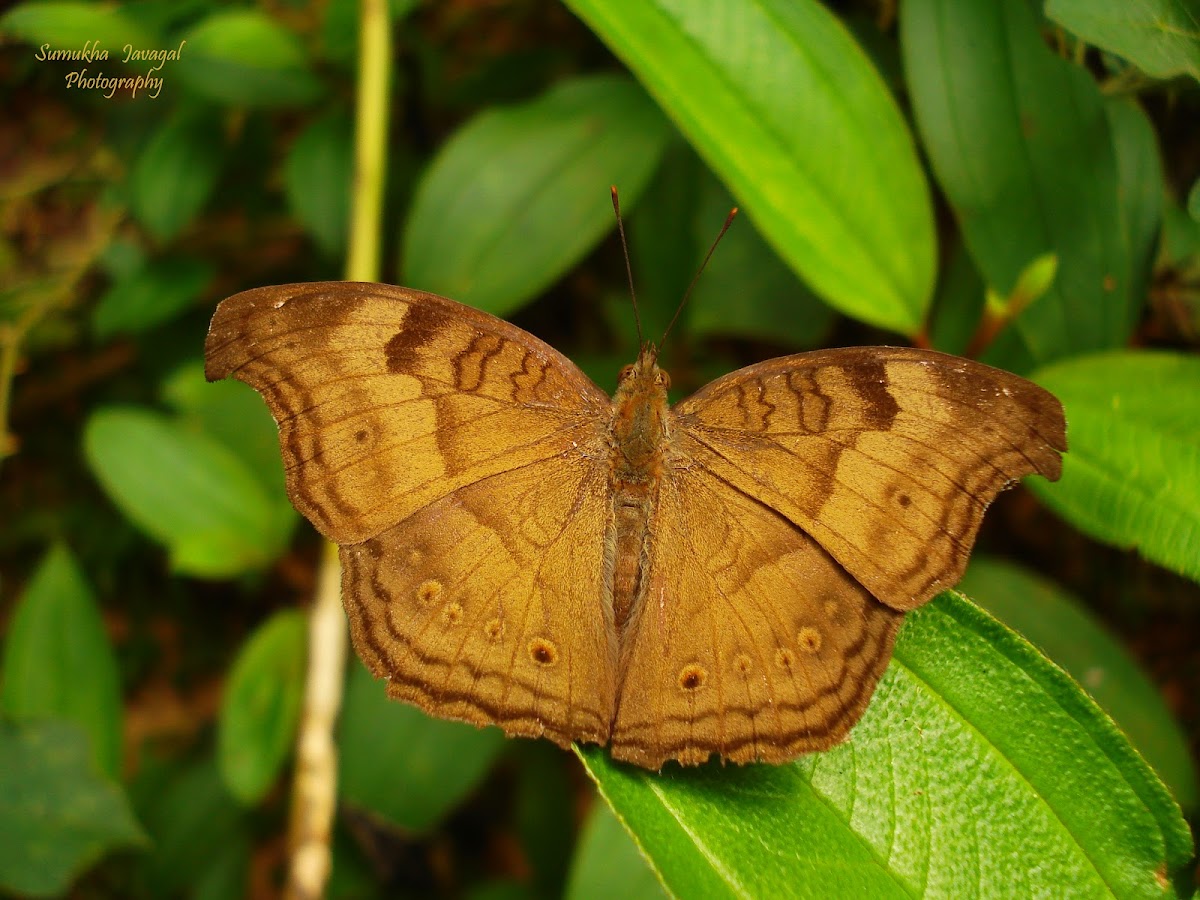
(725, 577)
(638, 443)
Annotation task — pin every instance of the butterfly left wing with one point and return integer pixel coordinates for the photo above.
(749, 642)
(387, 399)
(886, 456)
(460, 462)
(485, 605)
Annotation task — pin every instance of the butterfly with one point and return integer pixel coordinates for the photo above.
(722, 577)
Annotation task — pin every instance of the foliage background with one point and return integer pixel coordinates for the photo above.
(985, 177)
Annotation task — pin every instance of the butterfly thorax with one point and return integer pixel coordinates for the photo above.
(639, 421)
(639, 431)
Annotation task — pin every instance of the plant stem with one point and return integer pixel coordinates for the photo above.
(314, 794)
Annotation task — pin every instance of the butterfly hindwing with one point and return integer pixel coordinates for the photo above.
(750, 641)
(486, 604)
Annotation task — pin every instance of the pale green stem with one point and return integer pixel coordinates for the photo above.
(314, 795)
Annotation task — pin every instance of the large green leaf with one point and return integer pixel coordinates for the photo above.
(202, 837)
(69, 26)
(1132, 477)
(245, 57)
(1021, 144)
(1062, 628)
(261, 706)
(608, 864)
(58, 814)
(235, 414)
(186, 491)
(175, 173)
(1140, 172)
(150, 295)
(979, 769)
(317, 176)
(402, 765)
(520, 194)
(786, 108)
(58, 662)
(1161, 37)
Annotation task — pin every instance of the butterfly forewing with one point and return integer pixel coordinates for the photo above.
(388, 399)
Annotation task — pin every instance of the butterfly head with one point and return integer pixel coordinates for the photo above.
(643, 376)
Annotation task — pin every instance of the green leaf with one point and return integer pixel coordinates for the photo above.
(1020, 142)
(1140, 171)
(1181, 236)
(544, 811)
(58, 661)
(787, 110)
(520, 194)
(402, 765)
(261, 706)
(149, 296)
(1132, 477)
(1063, 629)
(608, 864)
(979, 769)
(201, 836)
(175, 173)
(185, 490)
(1193, 201)
(663, 247)
(58, 814)
(74, 26)
(746, 290)
(317, 175)
(1160, 37)
(234, 414)
(244, 57)
(958, 305)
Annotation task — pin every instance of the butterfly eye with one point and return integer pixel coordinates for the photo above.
(625, 372)
(664, 379)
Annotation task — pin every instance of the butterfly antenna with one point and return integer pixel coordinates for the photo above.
(724, 228)
(628, 269)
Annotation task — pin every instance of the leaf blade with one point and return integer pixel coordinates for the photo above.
(518, 195)
(260, 707)
(1060, 625)
(1161, 37)
(58, 815)
(749, 84)
(1132, 477)
(1021, 145)
(58, 661)
(953, 783)
(185, 490)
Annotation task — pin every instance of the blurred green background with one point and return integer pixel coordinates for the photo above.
(997, 179)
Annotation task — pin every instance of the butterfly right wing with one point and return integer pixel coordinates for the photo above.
(749, 641)
(887, 456)
(388, 399)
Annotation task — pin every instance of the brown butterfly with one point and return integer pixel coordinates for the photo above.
(724, 577)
